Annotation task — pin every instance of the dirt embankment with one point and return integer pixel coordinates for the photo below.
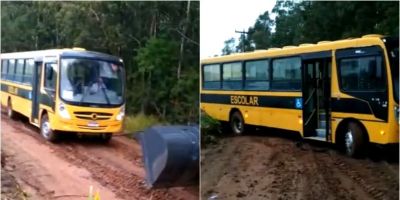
(66, 170)
(269, 166)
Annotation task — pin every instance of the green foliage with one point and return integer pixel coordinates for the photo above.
(158, 42)
(210, 129)
(139, 122)
(299, 22)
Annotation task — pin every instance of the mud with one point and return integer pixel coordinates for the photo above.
(67, 169)
(271, 165)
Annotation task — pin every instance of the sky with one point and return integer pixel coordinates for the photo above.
(220, 18)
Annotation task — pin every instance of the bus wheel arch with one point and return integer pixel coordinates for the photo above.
(236, 121)
(351, 137)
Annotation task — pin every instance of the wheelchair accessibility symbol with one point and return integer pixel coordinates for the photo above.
(299, 103)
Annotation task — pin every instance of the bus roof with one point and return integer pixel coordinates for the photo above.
(366, 40)
(74, 52)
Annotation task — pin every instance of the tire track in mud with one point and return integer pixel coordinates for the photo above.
(124, 183)
(264, 167)
(343, 165)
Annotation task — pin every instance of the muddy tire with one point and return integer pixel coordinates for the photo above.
(237, 123)
(10, 112)
(105, 137)
(353, 142)
(45, 129)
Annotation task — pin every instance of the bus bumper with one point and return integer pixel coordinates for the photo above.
(88, 126)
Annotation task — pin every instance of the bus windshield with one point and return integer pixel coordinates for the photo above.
(392, 46)
(91, 82)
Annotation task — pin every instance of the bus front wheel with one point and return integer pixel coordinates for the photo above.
(45, 129)
(106, 137)
(237, 123)
(353, 141)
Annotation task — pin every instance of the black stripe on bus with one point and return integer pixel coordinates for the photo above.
(262, 101)
(20, 92)
(44, 99)
(347, 105)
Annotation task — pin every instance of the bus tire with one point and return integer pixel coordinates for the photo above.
(105, 137)
(353, 140)
(10, 112)
(45, 129)
(237, 123)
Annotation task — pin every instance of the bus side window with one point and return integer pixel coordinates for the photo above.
(10, 70)
(28, 72)
(50, 76)
(286, 74)
(232, 76)
(212, 76)
(4, 68)
(362, 74)
(257, 75)
(19, 70)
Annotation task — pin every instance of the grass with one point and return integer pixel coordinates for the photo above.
(139, 122)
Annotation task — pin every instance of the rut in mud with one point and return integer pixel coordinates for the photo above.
(67, 169)
(276, 166)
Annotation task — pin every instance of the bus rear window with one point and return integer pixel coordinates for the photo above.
(211, 76)
(4, 67)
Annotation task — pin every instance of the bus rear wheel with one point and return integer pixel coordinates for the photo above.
(10, 112)
(237, 123)
(353, 140)
(45, 129)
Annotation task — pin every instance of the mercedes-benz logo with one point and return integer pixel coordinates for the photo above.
(94, 116)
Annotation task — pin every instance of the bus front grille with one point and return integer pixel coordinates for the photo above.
(93, 115)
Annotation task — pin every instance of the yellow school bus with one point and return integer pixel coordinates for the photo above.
(65, 90)
(344, 92)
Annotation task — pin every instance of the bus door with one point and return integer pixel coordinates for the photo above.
(316, 95)
(36, 80)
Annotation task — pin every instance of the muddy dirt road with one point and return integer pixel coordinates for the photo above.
(67, 169)
(272, 166)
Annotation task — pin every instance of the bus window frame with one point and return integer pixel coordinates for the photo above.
(222, 76)
(4, 75)
(272, 71)
(339, 73)
(19, 77)
(268, 59)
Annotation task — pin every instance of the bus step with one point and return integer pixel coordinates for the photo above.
(322, 124)
(322, 116)
(321, 132)
(316, 138)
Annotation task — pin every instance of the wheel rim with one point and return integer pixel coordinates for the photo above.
(348, 141)
(46, 129)
(237, 125)
(9, 109)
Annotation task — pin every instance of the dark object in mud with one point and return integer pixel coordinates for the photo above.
(170, 155)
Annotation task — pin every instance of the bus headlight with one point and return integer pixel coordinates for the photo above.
(63, 112)
(121, 114)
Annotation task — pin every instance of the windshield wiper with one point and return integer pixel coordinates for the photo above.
(105, 94)
(83, 96)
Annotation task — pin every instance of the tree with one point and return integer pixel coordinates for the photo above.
(229, 46)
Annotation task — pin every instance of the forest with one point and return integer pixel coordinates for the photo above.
(296, 22)
(158, 41)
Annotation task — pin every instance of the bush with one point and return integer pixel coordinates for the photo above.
(139, 122)
(210, 129)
